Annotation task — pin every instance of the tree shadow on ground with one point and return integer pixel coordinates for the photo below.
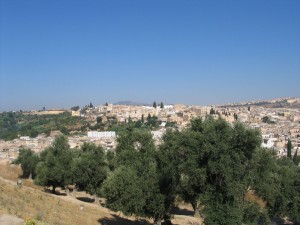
(116, 220)
(280, 221)
(86, 199)
(182, 211)
(55, 193)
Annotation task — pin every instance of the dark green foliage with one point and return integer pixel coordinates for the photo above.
(16, 124)
(214, 161)
(161, 105)
(277, 181)
(55, 166)
(154, 105)
(8, 125)
(99, 119)
(129, 120)
(75, 108)
(296, 158)
(111, 159)
(142, 119)
(28, 160)
(289, 149)
(170, 124)
(152, 121)
(267, 119)
(168, 172)
(235, 116)
(89, 168)
(133, 187)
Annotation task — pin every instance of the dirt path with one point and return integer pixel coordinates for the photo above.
(6, 219)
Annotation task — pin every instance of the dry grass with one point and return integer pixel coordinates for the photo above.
(48, 209)
(10, 172)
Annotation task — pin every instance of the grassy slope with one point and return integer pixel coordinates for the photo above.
(32, 202)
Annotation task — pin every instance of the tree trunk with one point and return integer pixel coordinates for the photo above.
(196, 210)
(74, 192)
(97, 201)
(53, 189)
(167, 221)
(67, 190)
(157, 221)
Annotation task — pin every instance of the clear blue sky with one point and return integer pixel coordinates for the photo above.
(59, 53)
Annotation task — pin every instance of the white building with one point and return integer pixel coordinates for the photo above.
(101, 135)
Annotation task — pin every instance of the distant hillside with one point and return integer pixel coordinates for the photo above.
(277, 103)
(130, 103)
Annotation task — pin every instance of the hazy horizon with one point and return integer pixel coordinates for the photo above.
(58, 54)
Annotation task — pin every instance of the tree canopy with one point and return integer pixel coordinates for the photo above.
(133, 187)
(28, 160)
(54, 168)
(89, 168)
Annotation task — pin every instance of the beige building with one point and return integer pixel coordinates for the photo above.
(75, 113)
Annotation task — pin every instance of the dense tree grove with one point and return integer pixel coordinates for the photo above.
(14, 124)
(212, 165)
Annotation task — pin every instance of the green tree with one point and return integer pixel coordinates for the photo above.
(161, 105)
(111, 159)
(99, 119)
(133, 187)
(289, 149)
(75, 108)
(149, 118)
(90, 168)
(296, 159)
(28, 160)
(55, 166)
(142, 119)
(152, 121)
(168, 159)
(277, 182)
(129, 120)
(214, 162)
(235, 116)
(154, 105)
(265, 119)
(138, 124)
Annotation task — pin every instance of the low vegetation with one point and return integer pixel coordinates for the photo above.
(14, 124)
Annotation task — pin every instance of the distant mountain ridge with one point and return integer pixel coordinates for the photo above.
(130, 103)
